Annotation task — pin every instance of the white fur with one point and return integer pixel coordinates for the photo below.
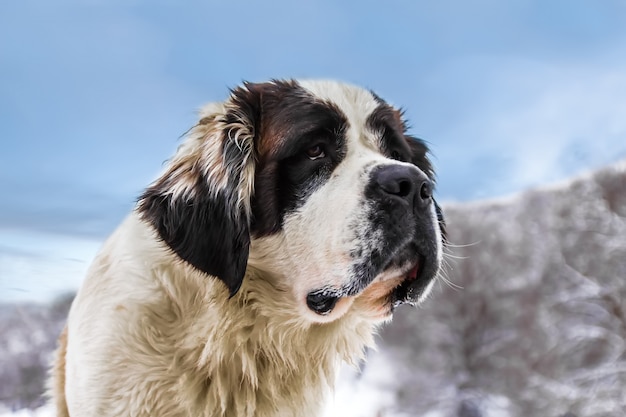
(137, 336)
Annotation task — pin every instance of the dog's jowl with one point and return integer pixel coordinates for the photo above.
(292, 220)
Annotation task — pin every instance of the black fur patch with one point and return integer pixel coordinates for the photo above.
(203, 230)
(293, 121)
(394, 141)
(210, 230)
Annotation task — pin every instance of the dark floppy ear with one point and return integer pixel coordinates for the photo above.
(419, 157)
(200, 205)
(442, 222)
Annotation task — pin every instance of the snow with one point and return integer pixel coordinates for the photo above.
(364, 394)
(45, 411)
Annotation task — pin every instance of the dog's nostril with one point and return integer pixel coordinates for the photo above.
(426, 190)
(321, 302)
(404, 188)
(396, 180)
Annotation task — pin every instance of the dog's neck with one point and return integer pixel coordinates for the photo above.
(254, 354)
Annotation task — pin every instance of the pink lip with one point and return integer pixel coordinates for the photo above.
(412, 275)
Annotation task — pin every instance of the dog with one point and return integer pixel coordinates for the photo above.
(293, 219)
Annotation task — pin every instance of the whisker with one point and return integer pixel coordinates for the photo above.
(444, 272)
(449, 283)
(449, 255)
(467, 245)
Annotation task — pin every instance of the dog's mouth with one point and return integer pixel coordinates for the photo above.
(410, 288)
(402, 290)
(414, 284)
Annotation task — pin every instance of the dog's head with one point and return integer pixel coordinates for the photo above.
(315, 184)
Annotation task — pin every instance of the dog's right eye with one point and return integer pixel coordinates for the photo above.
(315, 152)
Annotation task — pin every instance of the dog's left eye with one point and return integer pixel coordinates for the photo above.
(315, 152)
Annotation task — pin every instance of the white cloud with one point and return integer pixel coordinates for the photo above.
(577, 118)
(539, 122)
(37, 266)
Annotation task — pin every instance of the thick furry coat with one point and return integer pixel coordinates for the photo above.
(219, 296)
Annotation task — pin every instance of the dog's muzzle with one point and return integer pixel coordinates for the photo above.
(406, 193)
(403, 213)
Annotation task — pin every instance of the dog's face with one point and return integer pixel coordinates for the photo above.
(315, 184)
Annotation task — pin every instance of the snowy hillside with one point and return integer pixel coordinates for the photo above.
(533, 324)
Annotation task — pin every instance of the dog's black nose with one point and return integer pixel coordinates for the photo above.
(404, 182)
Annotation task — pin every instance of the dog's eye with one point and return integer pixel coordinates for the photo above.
(315, 152)
(396, 155)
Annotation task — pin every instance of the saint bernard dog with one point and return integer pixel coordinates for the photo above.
(293, 219)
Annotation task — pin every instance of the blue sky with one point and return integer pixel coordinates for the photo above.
(94, 95)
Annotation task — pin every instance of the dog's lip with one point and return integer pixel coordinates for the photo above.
(414, 271)
(414, 283)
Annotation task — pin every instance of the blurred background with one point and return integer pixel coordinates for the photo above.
(523, 105)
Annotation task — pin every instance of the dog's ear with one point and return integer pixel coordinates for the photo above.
(442, 222)
(200, 205)
(419, 157)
